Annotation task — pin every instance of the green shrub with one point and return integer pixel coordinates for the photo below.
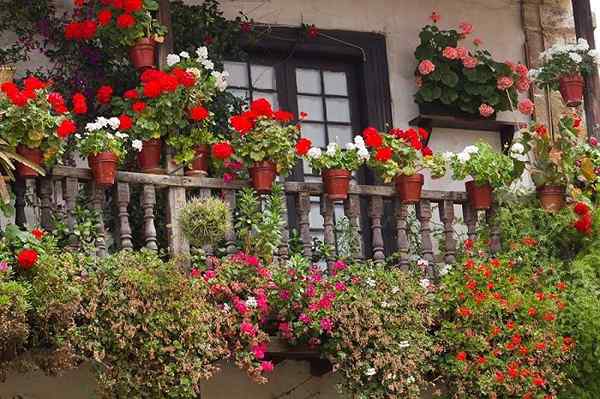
(205, 221)
(14, 327)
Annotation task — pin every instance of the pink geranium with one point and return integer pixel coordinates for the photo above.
(304, 318)
(259, 350)
(450, 53)
(284, 295)
(326, 325)
(340, 286)
(228, 177)
(523, 84)
(486, 110)
(466, 28)
(426, 67)
(209, 275)
(522, 70)
(504, 83)
(462, 52)
(526, 106)
(310, 291)
(469, 62)
(419, 82)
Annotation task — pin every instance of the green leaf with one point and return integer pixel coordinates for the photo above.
(450, 79)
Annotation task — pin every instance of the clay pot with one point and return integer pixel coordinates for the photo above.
(149, 156)
(571, 89)
(199, 166)
(552, 198)
(7, 73)
(33, 155)
(480, 197)
(336, 182)
(409, 188)
(104, 168)
(263, 175)
(141, 54)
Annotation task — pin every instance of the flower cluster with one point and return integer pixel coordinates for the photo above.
(584, 214)
(349, 158)
(106, 135)
(485, 165)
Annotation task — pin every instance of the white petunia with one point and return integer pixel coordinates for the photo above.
(576, 58)
(173, 59)
(350, 146)
(114, 123)
(208, 64)
(471, 149)
(331, 149)
(251, 302)
(137, 145)
(184, 54)
(370, 372)
(463, 157)
(314, 152)
(202, 52)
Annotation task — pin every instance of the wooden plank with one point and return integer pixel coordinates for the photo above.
(164, 16)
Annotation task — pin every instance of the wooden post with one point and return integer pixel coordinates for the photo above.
(584, 28)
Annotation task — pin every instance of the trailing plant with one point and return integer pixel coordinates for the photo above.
(484, 165)
(349, 158)
(205, 221)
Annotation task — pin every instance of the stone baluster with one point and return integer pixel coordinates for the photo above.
(352, 212)
(326, 208)
(375, 213)
(70, 191)
(491, 218)
(123, 196)
(402, 233)
(447, 218)
(470, 217)
(424, 216)
(20, 190)
(303, 205)
(45, 190)
(283, 251)
(229, 198)
(98, 205)
(148, 202)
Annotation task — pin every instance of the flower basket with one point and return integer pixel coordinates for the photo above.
(149, 156)
(141, 54)
(104, 168)
(336, 183)
(552, 198)
(263, 175)
(409, 188)
(571, 89)
(480, 196)
(34, 155)
(199, 166)
(7, 73)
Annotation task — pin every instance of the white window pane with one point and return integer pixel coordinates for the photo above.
(338, 109)
(339, 134)
(242, 94)
(315, 132)
(271, 97)
(313, 106)
(263, 77)
(238, 73)
(335, 83)
(314, 217)
(308, 81)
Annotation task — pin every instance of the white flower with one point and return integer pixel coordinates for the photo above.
(370, 282)
(137, 145)
(226, 307)
(422, 263)
(533, 74)
(350, 146)
(425, 283)
(395, 290)
(173, 59)
(517, 148)
(251, 302)
(359, 141)
(314, 152)
(202, 52)
(447, 155)
(77, 135)
(114, 123)
(184, 54)
(208, 64)
(595, 54)
(370, 372)
(410, 379)
(463, 157)
(403, 344)
(471, 149)
(575, 57)
(220, 79)
(385, 304)
(582, 44)
(331, 149)
(92, 127)
(121, 135)
(445, 269)
(363, 153)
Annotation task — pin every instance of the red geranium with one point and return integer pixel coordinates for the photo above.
(125, 123)
(104, 17)
(372, 137)
(66, 128)
(384, 154)
(32, 83)
(131, 94)
(38, 233)
(198, 113)
(131, 6)
(84, 30)
(168, 83)
(241, 123)
(283, 116)
(138, 106)
(302, 146)
(57, 102)
(152, 89)
(584, 224)
(581, 208)
(125, 21)
(426, 151)
(79, 103)
(104, 94)
(27, 258)
(261, 107)
(222, 150)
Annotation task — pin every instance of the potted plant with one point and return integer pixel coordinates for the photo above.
(36, 122)
(488, 168)
(453, 79)
(265, 140)
(336, 164)
(400, 155)
(103, 143)
(563, 68)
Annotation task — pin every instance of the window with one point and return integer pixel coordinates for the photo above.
(251, 81)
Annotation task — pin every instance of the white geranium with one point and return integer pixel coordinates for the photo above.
(471, 149)
(575, 57)
(350, 146)
(359, 141)
(517, 148)
(582, 44)
(314, 152)
(363, 153)
(331, 149)
(184, 54)
(447, 155)
(208, 64)
(370, 372)
(137, 145)
(121, 135)
(202, 52)
(370, 282)
(114, 123)
(173, 59)
(220, 79)
(533, 74)
(463, 157)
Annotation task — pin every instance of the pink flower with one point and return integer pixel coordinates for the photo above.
(259, 350)
(314, 342)
(252, 260)
(304, 318)
(266, 367)
(315, 277)
(228, 177)
(209, 275)
(462, 52)
(248, 329)
(325, 302)
(469, 62)
(504, 82)
(313, 307)
(523, 84)
(284, 328)
(593, 141)
(477, 42)
(419, 81)
(233, 165)
(339, 265)
(526, 106)
(522, 70)
(465, 28)
(340, 286)
(195, 273)
(310, 291)
(450, 53)
(240, 306)
(435, 17)
(426, 67)
(3, 266)
(264, 272)
(284, 295)
(326, 324)
(486, 110)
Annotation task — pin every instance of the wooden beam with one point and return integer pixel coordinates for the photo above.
(584, 28)
(164, 16)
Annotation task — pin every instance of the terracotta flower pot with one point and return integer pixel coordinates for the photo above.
(7, 73)
(104, 168)
(409, 188)
(552, 198)
(263, 175)
(480, 197)
(571, 89)
(141, 54)
(34, 155)
(149, 156)
(199, 166)
(336, 182)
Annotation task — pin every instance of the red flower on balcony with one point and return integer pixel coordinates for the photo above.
(222, 150)
(27, 258)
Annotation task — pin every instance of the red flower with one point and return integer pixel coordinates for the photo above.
(152, 89)
(138, 106)
(561, 286)
(198, 113)
(27, 258)
(104, 94)
(84, 30)
(581, 208)
(32, 83)
(261, 107)
(266, 366)
(283, 116)
(302, 146)
(435, 17)
(426, 151)
(18, 99)
(79, 3)
(549, 316)
(9, 88)
(584, 224)
(131, 6)
(79, 104)
(499, 377)
(312, 32)
(66, 128)
(131, 94)
(104, 17)
(57, 102)
(461, 356)
(464, 311)
(38, 233)
(125, 21)
(468, 244)
(125, 122)
(241, 123)
(538, 381)
(384, 154)
(222, 150)
(372, 137)
(532, 311)
(168, 83)
(246, 27)
(185, 78)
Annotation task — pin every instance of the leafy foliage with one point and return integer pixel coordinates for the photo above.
(205, 221)
(484, 165)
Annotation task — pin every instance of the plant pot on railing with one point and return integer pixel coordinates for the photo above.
(149, 156)
(104, 168)
(33, 155)
(409, 188)
(480, 196)
(7, 73)
(263, 175)
(336, 183)
(141, 54)
(571, 89)
(199, 166)
(552, 198)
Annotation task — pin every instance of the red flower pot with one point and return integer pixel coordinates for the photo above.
(480, 197)
(263, 175)
(336, 182)
(33, 155)
(199, 165)
(552, 198)
(571, 89)
(104, 168)
(141, 54)
(409, 188)
(149, 156)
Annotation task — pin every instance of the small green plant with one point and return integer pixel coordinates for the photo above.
(349, 158)
(205, 221)
(484, 165)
